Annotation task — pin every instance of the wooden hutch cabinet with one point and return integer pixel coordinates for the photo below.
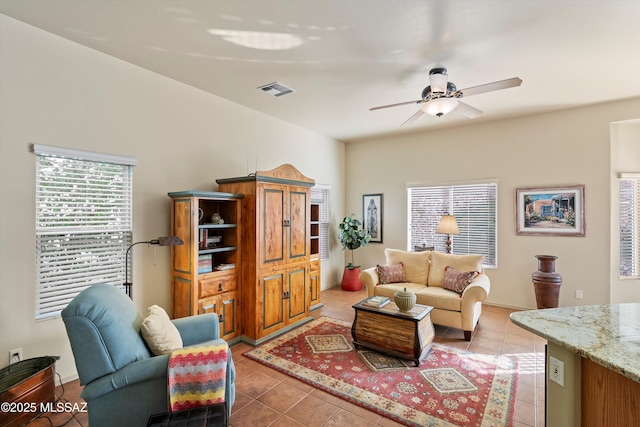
(276, 269)
(204, 270)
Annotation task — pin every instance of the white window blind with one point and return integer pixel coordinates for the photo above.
(475, 209)
(83, 223)
(630, 225)
(320, 196)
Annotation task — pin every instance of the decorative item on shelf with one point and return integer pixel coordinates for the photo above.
(160, 241)
(352, 237)
(213, 241)
(216, 219)
(448, 225)
(405, 300)
(200, 214)
(546, 282)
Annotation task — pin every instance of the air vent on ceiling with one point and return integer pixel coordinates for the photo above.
(276, 89)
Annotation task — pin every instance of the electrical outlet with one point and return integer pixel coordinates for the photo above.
(15, 355)
(579, 294)
(556, 371)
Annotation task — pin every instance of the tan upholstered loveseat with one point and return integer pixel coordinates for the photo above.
(425, 274)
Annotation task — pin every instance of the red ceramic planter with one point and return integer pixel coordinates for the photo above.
(351, 279)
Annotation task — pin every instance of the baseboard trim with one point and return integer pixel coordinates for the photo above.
(513, 307)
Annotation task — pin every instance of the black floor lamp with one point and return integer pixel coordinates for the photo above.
(160, 241)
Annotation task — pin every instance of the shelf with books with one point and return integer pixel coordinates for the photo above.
(205, 269)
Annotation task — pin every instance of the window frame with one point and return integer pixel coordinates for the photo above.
(83, 223)
(454, 204)
(629, 226)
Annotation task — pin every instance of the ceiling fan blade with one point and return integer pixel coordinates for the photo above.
(395, 105)
(468, 110)
(490, 87)
(413, 118)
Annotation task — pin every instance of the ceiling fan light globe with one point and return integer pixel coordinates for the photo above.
(440, 106)
(438, 83)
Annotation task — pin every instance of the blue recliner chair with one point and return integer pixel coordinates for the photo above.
(124, 383)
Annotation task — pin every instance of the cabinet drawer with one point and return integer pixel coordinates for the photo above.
(314, 265)
(217, 285)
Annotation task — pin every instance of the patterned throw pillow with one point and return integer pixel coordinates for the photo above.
(393, 273)
(457, 281)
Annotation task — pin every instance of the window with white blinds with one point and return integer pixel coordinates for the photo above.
(630, 225)
(475, 207)
(320, 196)
(83, 223)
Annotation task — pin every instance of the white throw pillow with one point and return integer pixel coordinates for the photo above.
(159, 332)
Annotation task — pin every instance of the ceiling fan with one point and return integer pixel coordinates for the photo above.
(442, 96)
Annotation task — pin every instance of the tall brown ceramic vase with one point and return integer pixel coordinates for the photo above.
(546, 282)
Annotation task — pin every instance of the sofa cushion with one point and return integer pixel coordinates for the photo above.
(159, 332)
(440, 261)
(433, 296)
(457, 281)
(393, 273)
(439, 298)
(392, 288)
(415, 264)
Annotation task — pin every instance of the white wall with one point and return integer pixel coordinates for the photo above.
(59, 93)
(625, 157)
(561, 148)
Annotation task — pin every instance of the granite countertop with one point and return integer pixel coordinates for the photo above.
(606, 334)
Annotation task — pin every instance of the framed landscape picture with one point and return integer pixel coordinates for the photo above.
(372, 216)
(556, 211)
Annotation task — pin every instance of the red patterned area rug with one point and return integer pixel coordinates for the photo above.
(450, 387)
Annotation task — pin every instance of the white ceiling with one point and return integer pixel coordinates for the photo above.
(357, 54)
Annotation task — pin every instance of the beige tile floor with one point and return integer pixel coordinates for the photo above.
(265, 397)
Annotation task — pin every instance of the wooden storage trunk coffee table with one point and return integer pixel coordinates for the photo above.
(389, 331)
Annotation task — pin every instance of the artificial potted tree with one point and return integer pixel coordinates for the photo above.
(352, 236)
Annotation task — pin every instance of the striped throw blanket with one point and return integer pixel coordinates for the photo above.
(197, 376)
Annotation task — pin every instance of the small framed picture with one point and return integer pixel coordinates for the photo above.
(372, 210)
(550, 211)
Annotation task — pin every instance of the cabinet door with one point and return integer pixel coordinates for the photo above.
(229, 312)
(182, 216)
(298, 224)
(273, 289)
(271, 225)
(226, 306)
(181, 291)
(314, 285)
(209, 305)
(297, 294)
